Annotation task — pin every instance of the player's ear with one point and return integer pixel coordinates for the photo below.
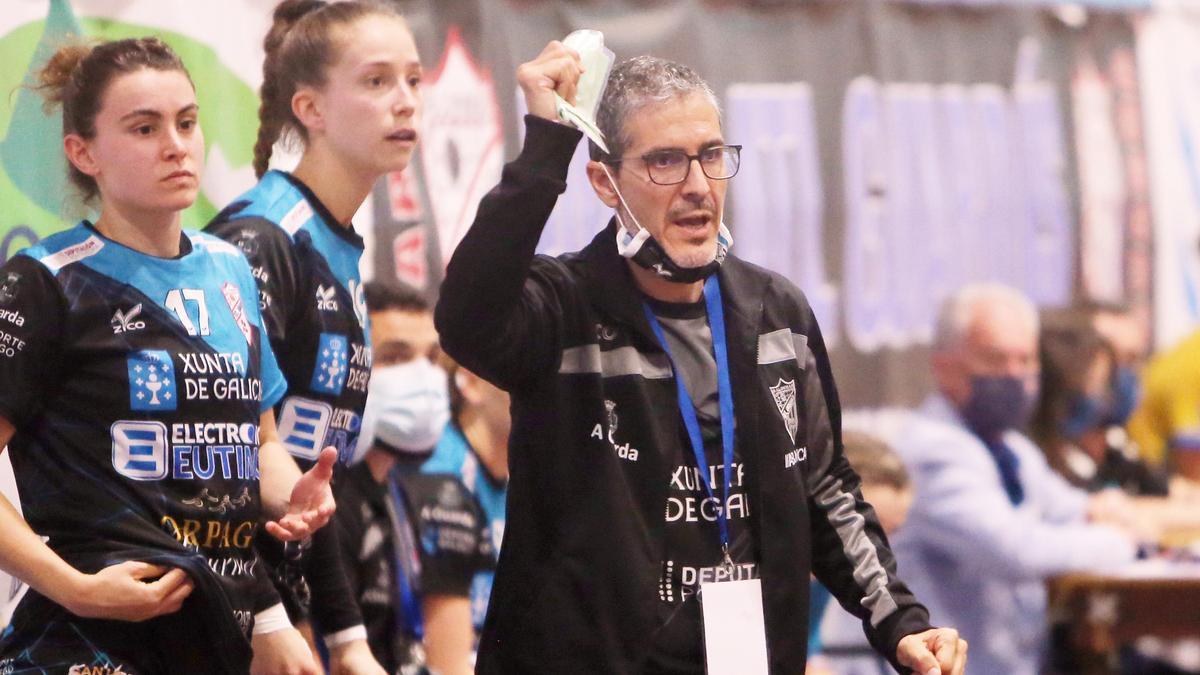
(79, 153)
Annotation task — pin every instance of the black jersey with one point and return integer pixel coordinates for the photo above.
(310, 293)
(135, 385)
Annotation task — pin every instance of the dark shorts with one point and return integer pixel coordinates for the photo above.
(45, 638)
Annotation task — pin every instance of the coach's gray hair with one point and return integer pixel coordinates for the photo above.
(954, 318)
(635, 83)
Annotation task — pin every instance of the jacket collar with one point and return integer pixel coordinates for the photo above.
(610, 284)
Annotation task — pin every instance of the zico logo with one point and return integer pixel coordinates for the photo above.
(123, 322)
(209, 534)
(326, 298)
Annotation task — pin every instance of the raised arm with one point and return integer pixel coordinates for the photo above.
(494, 315)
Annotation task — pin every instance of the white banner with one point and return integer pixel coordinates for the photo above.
(1169, 70)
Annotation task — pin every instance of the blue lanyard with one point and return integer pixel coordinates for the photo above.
(716, 322)
(408, 609)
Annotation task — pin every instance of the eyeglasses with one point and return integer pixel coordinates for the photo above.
(671, 167)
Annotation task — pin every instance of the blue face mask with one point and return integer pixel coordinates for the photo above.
(1125, 392)
(996, 404)
(1087, 413)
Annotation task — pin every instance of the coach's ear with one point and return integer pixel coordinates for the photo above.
(601, 177)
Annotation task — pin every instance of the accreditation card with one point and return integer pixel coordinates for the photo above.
(735, 634)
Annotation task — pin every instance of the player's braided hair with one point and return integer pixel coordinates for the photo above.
(77, 75)
(299, 48)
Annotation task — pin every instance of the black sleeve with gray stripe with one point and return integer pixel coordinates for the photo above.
(851, 556)
(504, 325)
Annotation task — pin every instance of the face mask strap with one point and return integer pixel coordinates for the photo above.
(628, 243)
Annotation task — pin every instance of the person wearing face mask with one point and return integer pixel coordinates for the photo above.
(991, 520)
(412, 540)
(675, 459)
(1086, 396)
(474, 450)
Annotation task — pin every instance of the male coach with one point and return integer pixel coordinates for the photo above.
(675, 452)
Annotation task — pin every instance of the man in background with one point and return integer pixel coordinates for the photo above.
(414, 542)
(991, 520)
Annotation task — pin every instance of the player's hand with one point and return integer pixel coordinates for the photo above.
(282, 652)
(354, 658)
(311, 504)
(555, 70)
(123, 592)
(937, 651)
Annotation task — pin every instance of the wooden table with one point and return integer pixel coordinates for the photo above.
(1100, 613)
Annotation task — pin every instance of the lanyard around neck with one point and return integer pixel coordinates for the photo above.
(408, 607)
(716, 322)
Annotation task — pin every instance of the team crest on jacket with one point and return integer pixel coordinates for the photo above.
(624, 450)
(784, 394)
(610, 407)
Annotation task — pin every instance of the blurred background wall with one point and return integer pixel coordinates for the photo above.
(894, 149)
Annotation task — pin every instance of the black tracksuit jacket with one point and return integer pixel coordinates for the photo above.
(576, 585)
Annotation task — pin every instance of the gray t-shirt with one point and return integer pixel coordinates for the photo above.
(692, 548)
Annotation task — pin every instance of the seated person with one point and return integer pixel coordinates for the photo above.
(990, 520)
(409, 539)
(1084, 403)
(1166, 424)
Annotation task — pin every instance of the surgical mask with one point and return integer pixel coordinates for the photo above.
(996, 404)
(408, 406)
(1125, 392)
(597, 61)
(647, 253)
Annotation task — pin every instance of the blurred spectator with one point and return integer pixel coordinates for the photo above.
(474, 449)
(385, 506)
(837, 642)
(1166, 425)
(885, 483)
(990, 519)
(1088, 392)
(1123, 330)
(1086, 397)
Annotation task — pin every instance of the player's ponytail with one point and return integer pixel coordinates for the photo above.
(300, 46)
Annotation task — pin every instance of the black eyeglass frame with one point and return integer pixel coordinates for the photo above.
(737, 154)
